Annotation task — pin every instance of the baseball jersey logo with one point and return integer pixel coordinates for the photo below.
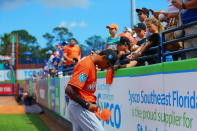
(83, 77)
(92, 86)
(110, 56)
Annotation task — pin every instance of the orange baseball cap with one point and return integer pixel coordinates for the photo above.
(112, 26)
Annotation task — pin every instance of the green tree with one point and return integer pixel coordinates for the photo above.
(50, 39)
(62, 34)
(25, 37)
(27, 42)
(84, 50)
(43, 53)
(59, 34)
(95, 42)
(92, 43)
(5, 46)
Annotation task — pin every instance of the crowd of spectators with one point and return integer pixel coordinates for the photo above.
(137, 41)
(61, 62)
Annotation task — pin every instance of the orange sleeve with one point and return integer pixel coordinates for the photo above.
(79, 53)
(65, 49)
(79, 76)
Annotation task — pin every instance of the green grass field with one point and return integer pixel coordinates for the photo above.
(22, 122)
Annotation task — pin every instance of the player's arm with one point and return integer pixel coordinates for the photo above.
(192, 4)
(67, 58)
(79, 54)
(70, 91)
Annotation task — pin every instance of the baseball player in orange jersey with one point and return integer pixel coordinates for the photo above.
(81, 88)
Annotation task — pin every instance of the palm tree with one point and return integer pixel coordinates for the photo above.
(5, 45)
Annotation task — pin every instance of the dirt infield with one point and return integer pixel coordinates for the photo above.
(9, 106)
(54, 126)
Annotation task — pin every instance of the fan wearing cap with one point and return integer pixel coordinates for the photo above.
(142, 14)
(50, 65)
(129, 34)
(59, 51)
(59, 59)
(123, 50)
(64, 43)
(113, 38)
(140, 30)
(154, 26)
(59, 46)
(123, 46)
(81, 88)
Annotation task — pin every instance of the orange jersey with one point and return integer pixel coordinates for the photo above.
(72, 52)
(84, 78)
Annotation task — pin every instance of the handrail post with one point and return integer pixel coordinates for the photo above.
(162, 39)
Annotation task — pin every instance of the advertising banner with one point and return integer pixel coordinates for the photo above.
(158, 102)
(6, 89)
(43, 92)
(1, 90)
(21, 83)
(161, 97)
(28, 73)
(181, 112)
(54, 94)
(5, 75)
(113, 97)
(30, 87)
(2, 77)
(63, 97)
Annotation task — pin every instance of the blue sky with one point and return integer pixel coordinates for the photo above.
(84, 18)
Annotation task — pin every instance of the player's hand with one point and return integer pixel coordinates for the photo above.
(93, 107)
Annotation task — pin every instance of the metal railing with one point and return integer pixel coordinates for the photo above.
(164, 43)
(161, 52)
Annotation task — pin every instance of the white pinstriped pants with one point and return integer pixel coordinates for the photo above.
(82, 119)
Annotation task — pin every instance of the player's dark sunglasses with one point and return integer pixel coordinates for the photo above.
(140, 13)
(111, 28)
